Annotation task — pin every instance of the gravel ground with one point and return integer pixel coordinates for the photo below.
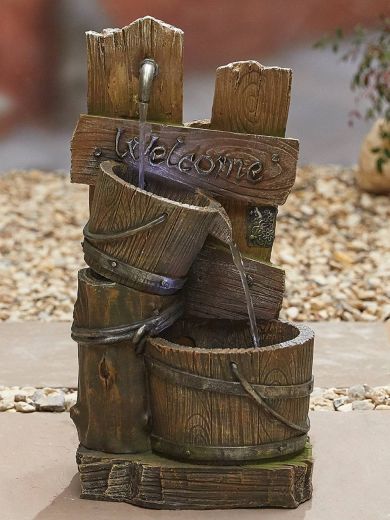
(355, 398)
(332, 240)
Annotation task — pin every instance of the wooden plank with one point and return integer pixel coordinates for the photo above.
(214, 288)
(250, 98)
(154, 482)
(114, 58)
(251, 168)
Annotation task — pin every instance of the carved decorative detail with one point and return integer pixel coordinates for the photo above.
(261, 225)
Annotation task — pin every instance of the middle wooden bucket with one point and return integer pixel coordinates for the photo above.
(148, 240)
(214, 398)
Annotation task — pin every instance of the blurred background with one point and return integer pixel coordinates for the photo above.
(43, 66)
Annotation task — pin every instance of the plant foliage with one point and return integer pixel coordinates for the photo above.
(371, 81)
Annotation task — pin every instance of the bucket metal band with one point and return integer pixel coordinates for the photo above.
(130, 275)
(227, 454)
(189, 380)
(150, 326)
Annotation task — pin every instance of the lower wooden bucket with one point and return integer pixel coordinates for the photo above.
(216, 399)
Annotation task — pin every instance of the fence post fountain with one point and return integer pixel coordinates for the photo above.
(192, 393)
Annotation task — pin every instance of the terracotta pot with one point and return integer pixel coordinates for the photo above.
(367, 176)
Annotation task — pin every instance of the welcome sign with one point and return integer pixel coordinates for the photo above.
(255, 168)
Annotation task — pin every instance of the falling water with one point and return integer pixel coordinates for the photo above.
(143, 112)
(237, 259)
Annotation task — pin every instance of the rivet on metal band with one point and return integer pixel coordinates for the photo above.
(131, 276)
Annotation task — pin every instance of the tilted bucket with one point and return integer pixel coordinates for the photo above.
(148, 240)
(214, 398)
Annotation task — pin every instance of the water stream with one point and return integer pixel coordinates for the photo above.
(237, 259)
(143, 113)
(236, 255)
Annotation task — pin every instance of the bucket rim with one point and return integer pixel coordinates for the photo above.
(305, 334)
(214, 206)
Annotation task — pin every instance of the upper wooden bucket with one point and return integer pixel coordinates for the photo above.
(215, 398)
(148, 239)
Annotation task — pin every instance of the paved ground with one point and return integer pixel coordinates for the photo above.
(42, 354)
(38, 474)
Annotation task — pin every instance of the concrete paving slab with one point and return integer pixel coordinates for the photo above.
(43, 354)
(347, 353)
(39, 481)
(37, 354)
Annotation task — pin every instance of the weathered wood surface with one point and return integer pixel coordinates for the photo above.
(167, 249)
(114, 58)
(252, 168)
(154, 482)
(111, 413)
(214, 289)
(103, 303)
(250, 98)
(189, 417)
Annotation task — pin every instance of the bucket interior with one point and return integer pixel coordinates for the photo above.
(164, 188)
(211, 334)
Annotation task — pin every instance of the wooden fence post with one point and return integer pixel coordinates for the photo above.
(105, 415)
(253, 99)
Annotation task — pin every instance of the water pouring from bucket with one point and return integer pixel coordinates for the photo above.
(223, 231)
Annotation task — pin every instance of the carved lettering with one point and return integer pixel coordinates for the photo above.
(203, 164)
(204, 159)
(157, 155)
(189, 158)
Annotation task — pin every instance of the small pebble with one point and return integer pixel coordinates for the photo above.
(357, 392)
(53, 402)
(345, 408)
(6, 404)
(23, 407)
(366, 404)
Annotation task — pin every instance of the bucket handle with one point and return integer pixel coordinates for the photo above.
(120, 235)
(261, 402)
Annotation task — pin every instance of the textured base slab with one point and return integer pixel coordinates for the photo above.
(151, 481)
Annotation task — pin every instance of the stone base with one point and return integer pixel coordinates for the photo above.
(151, 481)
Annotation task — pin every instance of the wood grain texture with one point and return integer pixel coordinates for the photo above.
(114, 58)
(250, 98)
(167, 249)
(103, 303)
(214, 289)
(231, 165)
(154, 482)
(111, 413)
(193, 417)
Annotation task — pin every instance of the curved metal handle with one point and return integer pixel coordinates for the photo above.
(261, 402)
(120, 235)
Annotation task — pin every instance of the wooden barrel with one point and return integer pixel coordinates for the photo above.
(214, 398)
(111, 413)
(148, 240)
